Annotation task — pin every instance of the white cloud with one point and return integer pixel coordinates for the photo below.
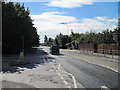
(48, 23)
(53, 17)
(97, 24)
(69, 3)
(107, 19)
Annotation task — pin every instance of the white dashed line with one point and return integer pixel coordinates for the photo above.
(104, 88)
(74, 81)
(56, 69)
(59, 67)
(61, 76)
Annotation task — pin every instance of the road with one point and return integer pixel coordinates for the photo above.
(37, 71)
(89, 75)
(70, 69)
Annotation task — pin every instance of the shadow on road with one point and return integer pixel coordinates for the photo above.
(59, 54)
(32, 60)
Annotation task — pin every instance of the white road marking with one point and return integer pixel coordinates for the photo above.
(74, 81)
(104, 88)
(59, 67)
(61, 76)
(66, 72)
(69, 87)
(65, 82)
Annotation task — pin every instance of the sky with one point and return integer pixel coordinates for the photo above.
(52, 17)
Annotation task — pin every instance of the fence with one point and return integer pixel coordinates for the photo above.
(108, 50)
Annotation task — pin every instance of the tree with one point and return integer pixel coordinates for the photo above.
(62, 40)
(45, 39)
(17, 24)
(116, 35)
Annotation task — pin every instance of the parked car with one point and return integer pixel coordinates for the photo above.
(54, 49)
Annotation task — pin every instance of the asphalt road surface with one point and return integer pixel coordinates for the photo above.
(89, 75)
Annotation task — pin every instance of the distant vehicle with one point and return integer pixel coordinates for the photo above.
(54, 49)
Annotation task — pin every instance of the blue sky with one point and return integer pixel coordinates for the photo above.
(79, 15)
(89, 11)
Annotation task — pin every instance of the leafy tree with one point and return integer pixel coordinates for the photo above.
(62, 40)
(17, 24)
(116, 35)
(45, 39)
